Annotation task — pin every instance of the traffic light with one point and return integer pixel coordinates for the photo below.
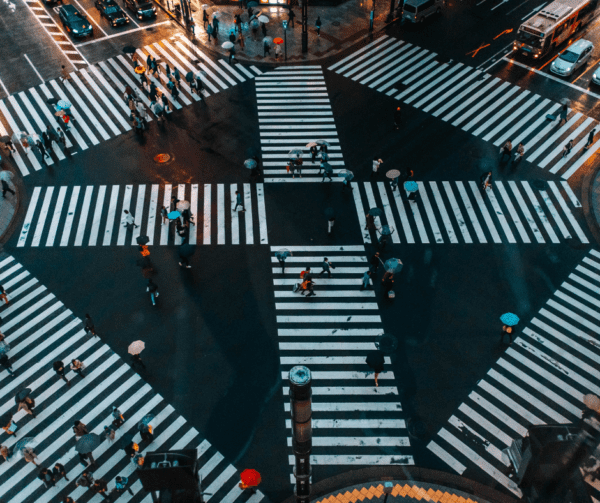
(285, 25)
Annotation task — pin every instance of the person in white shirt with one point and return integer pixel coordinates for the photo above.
(376, 163)
(129, 219)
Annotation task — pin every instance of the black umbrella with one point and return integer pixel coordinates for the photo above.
(129, 49)
(376, 212)
(88, 443)
(53, 101)
(329, 212)
(376, 360)
(386, 343)
(6, 419)
(142, 240)
(22, 395)
(186, 250)
(189, 77)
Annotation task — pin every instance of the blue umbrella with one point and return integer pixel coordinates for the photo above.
(393, 265)
(250, 163)
(173, 215)
(376, 212)
(283, 253)
(386, 230)
(324, 156)
(347, 174)
(509, 319)
(63, 104)
(23, 443)
(4, 348)
(411, 186)
(327, 167)
(146, 419)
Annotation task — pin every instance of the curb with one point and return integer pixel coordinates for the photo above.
(587, 203)
(274, 64)
(17, 183)
(405, 473)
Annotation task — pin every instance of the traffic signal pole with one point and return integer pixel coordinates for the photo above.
(301, 411)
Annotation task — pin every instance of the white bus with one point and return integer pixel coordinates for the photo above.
(554, 24)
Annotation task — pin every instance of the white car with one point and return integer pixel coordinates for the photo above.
(576, 55)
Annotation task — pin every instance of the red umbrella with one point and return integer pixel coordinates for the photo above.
(278, 41)
(250, 477)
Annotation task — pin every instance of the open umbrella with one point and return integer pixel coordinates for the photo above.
(186, 250)
(324, 156)
(6, 175)
(52, 101)
(347, 174)
(277, 40)
(509, 319)
(135, 348)
(142, 240)
(312, 143)
(376, 360)
(267, 40)
(6, 419)
(227, 45)
(393, 173)
(129, 49)
(250, 163)
(386, 230)
(140, 69)
(327, 167)
(189, 77)
(146, 419)
(63, 104)
(376, 212)
(204, 6)
(386, 343)
(250, 477)
(183, 205)
(87, 443)
(283, 253)
(173, 215)
(592, 402)
(263, 19)
(322, 142)
(411, 186)
(22, 395)
(329, 212)
(295, 152)
(393, 265)
(4, 348)
(23, 443)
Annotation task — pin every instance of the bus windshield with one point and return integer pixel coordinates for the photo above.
(529, 38)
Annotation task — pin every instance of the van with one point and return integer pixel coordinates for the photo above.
(417, 10)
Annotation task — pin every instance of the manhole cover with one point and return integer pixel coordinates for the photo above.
(162, 158)
(336, 23)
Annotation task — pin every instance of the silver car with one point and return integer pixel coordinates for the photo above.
(576, 55)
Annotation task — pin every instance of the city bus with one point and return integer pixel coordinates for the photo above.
(554, 24)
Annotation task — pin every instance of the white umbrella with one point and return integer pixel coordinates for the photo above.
(205, 6)
(216, 14)
(135, 348)
(227, 45)
(5, 175)
(263, 19)
(183, 205)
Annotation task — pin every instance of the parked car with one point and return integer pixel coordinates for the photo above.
(74, 22)
(111, 11)
(573, 57)
(416, 11)
(141, 8)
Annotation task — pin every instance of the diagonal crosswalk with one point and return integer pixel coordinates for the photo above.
(473, 100)
(293, 110)
(541, 379)
(41, 330)
(96, 93)
(94, 215)
(460, 212)
(354, 422)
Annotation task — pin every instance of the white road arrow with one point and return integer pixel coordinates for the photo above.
(539, 7)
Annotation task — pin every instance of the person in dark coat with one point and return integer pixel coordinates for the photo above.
(130, 449)
(47, 478)
(590, 139)
(59, 368)
(375, 262)
(291, 16)
(59, 472)
(204, 19)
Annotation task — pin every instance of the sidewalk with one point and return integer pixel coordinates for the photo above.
(341, 27)
(9, 205)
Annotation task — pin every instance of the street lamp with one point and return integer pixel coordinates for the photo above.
(388, 487)
(304, 26)
(301, 410)
(285, 25)
(390, 15)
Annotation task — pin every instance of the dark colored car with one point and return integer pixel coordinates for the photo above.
(111, 11)
(141, 8)
(74, 22)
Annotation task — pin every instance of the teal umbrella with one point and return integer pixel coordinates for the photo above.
(347, 174)
(411, 186)
(283, 253)
(509, 319)
(393, 265)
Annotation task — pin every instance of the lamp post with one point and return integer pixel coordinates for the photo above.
(304, 26)
(388, 487)
(390, 15)
(285, 25)
(301, 411)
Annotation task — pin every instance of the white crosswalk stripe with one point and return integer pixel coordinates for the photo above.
(40, 331)
(557, 350)
(96, 94)
(486, 107)
(501, 214)
(95, 215)
(293, 110)
(351, 418)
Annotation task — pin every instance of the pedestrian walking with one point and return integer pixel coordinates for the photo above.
(42, 149)
(100, 487)
(146, 432)
(397, 117)
(29, 455)
(382, 242)
(394, 183)
(281, 258)
(366, 281)
(4, 295)
(78, 367)
(376, 163)
(79, 429)
(370, 222)
(131, 449)
(165, 103)
(325, 173)
(86, 480)
(177, 75)
(215, 25)
(567, 149)
(4, 362)
(63, 140)
(64, 74)
(231, 54)
(184, 262)
(6, 188)
(204, 19)
(86, 459)
(129, 219)
(506, 330)
(590, 139)
(121, 486)
(345, 185)
(266, 48)
(564, 111)
(277, 51)
(5, 452)
(27, 404)
(263, 28)
(89, 325)
(47, 477)
(118, 418)
(238, 201)
(327, 266)
(388, 288)
(59, 472)
(318, 26)
(291, 16)
(164, 215)
(505, 150)
(10, 427)
(241, 40)
(152, 288)
(375, 262)
(313, 153)
(144, 82)
(486, 180)
(209, 31)
(59, 368)
(47, 141)
(520, 153)
(330, 224)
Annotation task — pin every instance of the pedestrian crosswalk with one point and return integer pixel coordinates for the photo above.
(94, 215)
(460, 212)
(354, 423)
(293, 110)
(540, 379)
(40, 331)
(485, 106)
(96, 93)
